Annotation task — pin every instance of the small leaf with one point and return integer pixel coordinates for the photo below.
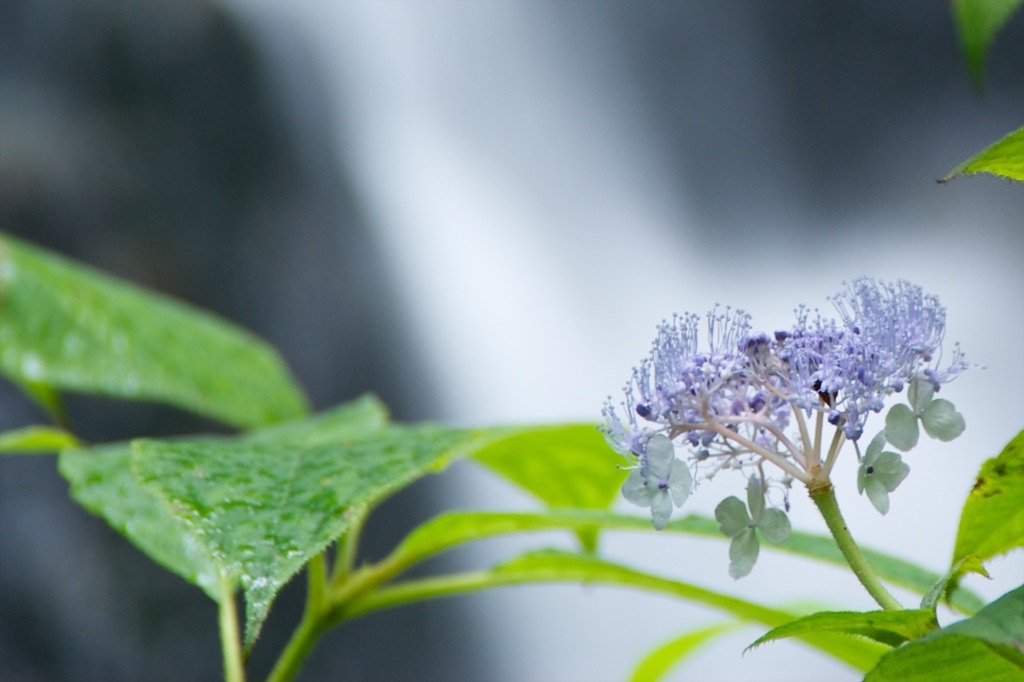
(969, 564)
(732, 516)
(901, 427)
(886, 627)
(775, 526)
(71, 328)
(977, 22)
(941, 420)
(659, 662)
(1004, 158)
(743, 551)
(992, 521)
(36, 439)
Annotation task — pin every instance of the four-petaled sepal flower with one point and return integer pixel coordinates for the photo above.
(736, 523)
(880, 473)
(939, 417)
(659, 481)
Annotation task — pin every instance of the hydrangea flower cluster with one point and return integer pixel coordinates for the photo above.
(746, 397)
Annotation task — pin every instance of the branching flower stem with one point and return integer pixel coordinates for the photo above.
(811, 453)
(772, 457)
(833, 453)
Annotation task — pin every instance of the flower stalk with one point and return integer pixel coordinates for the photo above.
(824, 499)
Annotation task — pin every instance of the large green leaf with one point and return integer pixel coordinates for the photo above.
(977, 22)
(992, 521)
(73, 328)
(1004, 158)
(102, 481)
(959, 658)
(1001, 622)
(562, 567)
(563, 466)
(265, 503)
(989, 646)
(886, 627)
(453, 528)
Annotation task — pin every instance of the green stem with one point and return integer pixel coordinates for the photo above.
(316, 572)
(824, 497)
(321, 598)
(231, 645)
(311, 627)
(345, 557)
(299, 646)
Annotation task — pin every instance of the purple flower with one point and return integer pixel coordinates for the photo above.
(733, 398)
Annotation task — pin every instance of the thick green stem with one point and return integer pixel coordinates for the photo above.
(231, 645)
(824, 497)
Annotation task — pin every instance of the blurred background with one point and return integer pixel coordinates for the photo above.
(480, 211)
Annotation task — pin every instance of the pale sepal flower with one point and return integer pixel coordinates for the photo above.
(659, 481)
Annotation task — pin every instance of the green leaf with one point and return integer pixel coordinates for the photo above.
(969, 564)
(891, 628)
(961, 659)
(977, 22)
(264, 504)
(563, 466)
(941, 420)
(45, 396)
(901, 427)
(73, 328)
(986, 647)
(36, 439)
(1001, 622)
(103, 482)
(1004, 158)
(553, 566)
(992, 521)
(453, 528)
(659, 662)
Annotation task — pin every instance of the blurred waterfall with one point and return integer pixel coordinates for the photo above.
(549, 180)
(481, 211)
